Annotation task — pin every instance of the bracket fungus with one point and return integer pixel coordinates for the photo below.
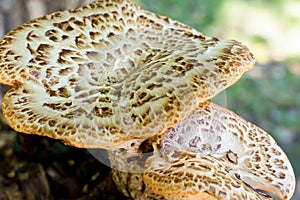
(110, 72)
(112, 75)
(216, 153)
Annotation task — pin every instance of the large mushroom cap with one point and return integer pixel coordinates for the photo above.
(111, 72)
(215, 152)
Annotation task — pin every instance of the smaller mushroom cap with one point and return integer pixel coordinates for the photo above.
(110, 73)
(194, 176)
(216, 152)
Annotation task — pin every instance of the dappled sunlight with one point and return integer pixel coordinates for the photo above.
(272, 35)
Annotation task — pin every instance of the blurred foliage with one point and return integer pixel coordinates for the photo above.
(199, 14)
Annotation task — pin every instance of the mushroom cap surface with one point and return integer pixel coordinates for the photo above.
(110, 72)
(216, 152)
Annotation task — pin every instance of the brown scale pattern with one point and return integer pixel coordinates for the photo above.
(214, 146)
(191, 175)
(110, 72)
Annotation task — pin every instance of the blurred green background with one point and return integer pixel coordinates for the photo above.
(269, 94)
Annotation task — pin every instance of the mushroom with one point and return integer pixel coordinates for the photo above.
(215, 154)
(110, 74)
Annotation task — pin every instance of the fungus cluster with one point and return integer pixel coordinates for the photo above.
(112, 75)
